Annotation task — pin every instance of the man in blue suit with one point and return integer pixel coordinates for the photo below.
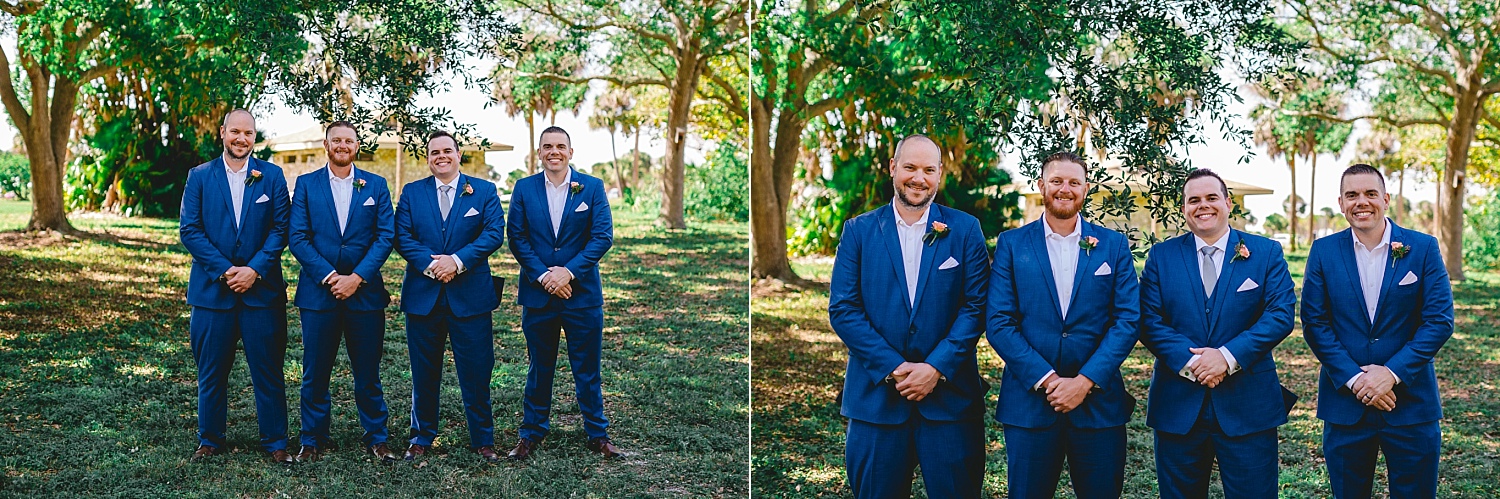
(560, 228)
(907, 298)
(234, 223)
(342, 232)
(1214, 389)
(447, 226)
(1376, 308)
(1062, 313)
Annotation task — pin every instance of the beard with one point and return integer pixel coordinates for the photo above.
(909, 200)
(1063, 213)
(340, 159)
(230, 151)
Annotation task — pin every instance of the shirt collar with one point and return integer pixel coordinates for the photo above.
(1047, 231)
(1222, 243)
(1384, 240)
(567, 180)
(335, 178)
(231, 171)
(453, 184)
(921, 221)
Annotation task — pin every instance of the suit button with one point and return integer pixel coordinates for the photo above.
(554, 250)
(342, 246)
(1065, 335)
(914, 330)
(1206, 311)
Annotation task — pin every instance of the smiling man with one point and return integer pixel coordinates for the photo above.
(1376, 308)
(447, 226)
(1214, 303)
(907, 298)
(1062, 312)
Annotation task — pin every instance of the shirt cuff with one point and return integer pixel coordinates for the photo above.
(1038, 384)
(1393, 375)
(1351, 381)
(571, 277)
(1234, 365)
(542, 277)
(329, 276)
(459, 263)
(1187, 369)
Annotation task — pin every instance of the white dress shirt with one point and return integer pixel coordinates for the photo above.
(1371, 263)
(557, 201)
(1218, 262)
(236, 187)
(1062, 252)
(910, 236)
(343, 194)
(452, 200)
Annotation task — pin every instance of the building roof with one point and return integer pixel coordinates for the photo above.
(312, 138)
(1236, 188)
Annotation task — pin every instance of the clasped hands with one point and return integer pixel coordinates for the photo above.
(1376, 387)
(240, 279)
(443, 268)
(1066, 394)
(558, 282)
(343, 286)
(916, 380)
(1211, 367)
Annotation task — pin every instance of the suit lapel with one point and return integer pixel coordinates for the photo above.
(1345, 244)
(1038, 240)
(220, 181)
(252, 192)
(1086, 260)
(455, 210)
(892, 240)
(1227, 277)
(570, 203)
(324, 191)
(542, 219)
(929, 251)
(1393, 267)
(1187, 249)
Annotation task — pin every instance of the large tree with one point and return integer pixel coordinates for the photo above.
(1421, 64)
(665, 43)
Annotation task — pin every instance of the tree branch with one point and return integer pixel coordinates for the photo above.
(18, 112)
(619, 81)
(731, 96)
(551, 12)
(1398, 123)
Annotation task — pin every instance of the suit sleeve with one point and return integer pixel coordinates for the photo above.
(601, 236)
(532, 267)
(281, 213)
(963, 336)
(299, 239)
(407, 244)
(491, 237)
(1003, 313)
(846, 312)
(1317, 324)
(192, 231)
(1275, 321)
(1437, 319)
(1172, 347)
(385, 234)
(1123, 332)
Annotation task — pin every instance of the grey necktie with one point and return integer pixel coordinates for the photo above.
(444, 202)
(1209, 271)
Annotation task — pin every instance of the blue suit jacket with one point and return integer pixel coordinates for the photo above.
(1027, 329)
(362, 249)
(581, 241)
(421, 232)
(1176, 316)
(1412, 322)
(869, 309)
(207, 228)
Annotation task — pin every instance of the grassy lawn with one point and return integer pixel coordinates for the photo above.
(98, 388)
(799, 368)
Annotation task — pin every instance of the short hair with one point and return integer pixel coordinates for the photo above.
(1204, 172)
(438, 134)
(1361, 169)
(557, 129)
(340, 124)
(1061, 156)
(915, 136)
(232, 112)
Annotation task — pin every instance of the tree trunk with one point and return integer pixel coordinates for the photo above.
(691, 63)
(1291, 163)
(772, 171)
(531, 144)
(1450, 209)
(614, 160)
(46, 137)
(635, 158)
(1312, 196)
(1401, 197)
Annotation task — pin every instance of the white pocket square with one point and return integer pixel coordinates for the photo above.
(581, 207)
(369, 202)
(263, 198)
(1104, 270)
(1410, 278)
(1247, 285)
(948, 264)
(471, 212)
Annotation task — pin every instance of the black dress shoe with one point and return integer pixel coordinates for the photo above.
(415, 451)
(523, 450)
(604, 447)
(204, 451)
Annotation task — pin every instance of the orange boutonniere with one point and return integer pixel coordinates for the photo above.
(468, 188)
(937, 230)
(575, 187)
(253, 177)
(1088, 244)
(1241, 252)
(1398, 251)
(359, 183)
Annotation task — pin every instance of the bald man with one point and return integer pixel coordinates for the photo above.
(235, 211)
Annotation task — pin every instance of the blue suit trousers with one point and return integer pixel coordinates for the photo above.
(213, 335)
(585, 332)
(363, 334)
(473, 340)
(1248, 464)
(881, 458)
(1411, 456)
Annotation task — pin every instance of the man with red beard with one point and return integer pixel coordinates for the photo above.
(907, 298)
(343, 229)
(1062, 312)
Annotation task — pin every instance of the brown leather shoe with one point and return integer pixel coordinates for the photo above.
(602, 446)
(382, 452)
(280, 456)
(309, 454)
(204, 451)
(488, 453)
(523, 450)
(415, 451)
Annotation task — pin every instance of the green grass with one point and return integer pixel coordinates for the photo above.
(799, 368)
(98, 397)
